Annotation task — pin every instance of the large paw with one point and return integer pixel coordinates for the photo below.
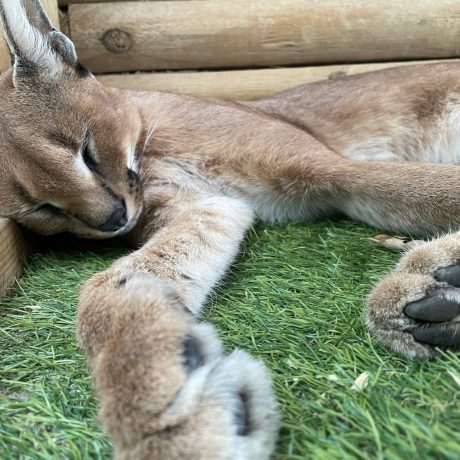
(416, 308)
(166, 389)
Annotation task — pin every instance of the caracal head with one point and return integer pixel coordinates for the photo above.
(67, 144)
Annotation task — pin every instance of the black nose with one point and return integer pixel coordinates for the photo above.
(117, 220)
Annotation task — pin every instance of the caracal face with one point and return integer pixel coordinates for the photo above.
(68, 144)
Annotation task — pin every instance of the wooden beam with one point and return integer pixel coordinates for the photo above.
(12, 254)
(65, 3)
(5, 60)
(52, 10)
(204, 34)
(239, 85)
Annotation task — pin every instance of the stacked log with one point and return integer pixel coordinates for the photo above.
(241, 84)
(217, 34)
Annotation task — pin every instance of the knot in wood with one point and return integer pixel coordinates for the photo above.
(117, 41)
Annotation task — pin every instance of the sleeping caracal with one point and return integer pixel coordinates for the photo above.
(188, 177)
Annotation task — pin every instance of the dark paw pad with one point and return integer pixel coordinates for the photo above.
(192, 357)
(437, 314)
(450, 275)
(439, 335)
(441, 304)
(241, 415)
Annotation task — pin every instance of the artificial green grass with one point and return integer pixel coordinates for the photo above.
(294, 299)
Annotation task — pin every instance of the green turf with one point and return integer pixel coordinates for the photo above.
(294, 299)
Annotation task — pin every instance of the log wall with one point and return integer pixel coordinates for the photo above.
(241, 84)
(129, 36)
(210, 34)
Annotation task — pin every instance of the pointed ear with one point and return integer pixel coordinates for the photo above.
(35, 45)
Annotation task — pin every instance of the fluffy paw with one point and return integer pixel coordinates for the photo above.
(416, 308)
(166, 389)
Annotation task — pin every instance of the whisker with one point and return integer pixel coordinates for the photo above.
(131, 163)
(133, 135)
(149, 136)
(147, 174)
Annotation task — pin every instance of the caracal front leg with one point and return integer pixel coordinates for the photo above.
(416, 308)
(167, 390)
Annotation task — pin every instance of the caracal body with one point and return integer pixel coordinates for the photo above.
(186, 177)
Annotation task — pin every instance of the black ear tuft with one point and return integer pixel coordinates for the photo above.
(60, 45)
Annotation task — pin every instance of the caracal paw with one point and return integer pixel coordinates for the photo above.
(416, 308)
(167, 390)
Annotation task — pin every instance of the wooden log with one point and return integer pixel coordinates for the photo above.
(242, 84)
(12, 253)
(132, 36)
(5, 60)
(52, 10)
(64, 3)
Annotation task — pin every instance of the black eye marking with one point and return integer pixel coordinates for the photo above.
(88, 157)
(133, 178)
(133, 181)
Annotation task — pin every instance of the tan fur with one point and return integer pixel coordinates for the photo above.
(370, 147)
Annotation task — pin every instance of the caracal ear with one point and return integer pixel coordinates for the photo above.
(35, 45)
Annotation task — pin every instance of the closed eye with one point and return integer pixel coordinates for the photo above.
(88, 157)
(86, 152)
(49, 209)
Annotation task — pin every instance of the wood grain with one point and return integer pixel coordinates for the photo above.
(52, 10)
(64, 3)
(12, 254)
(242, 84)
(205, 34)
